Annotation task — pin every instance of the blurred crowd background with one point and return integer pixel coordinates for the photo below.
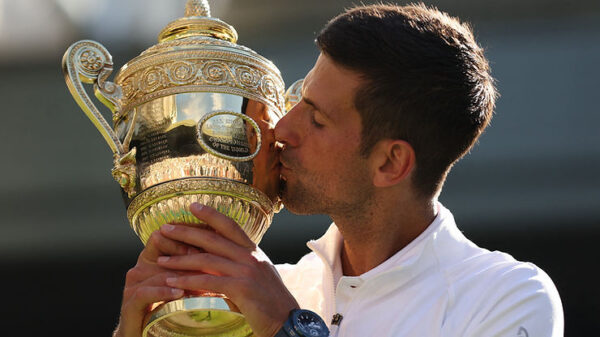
(531, 187)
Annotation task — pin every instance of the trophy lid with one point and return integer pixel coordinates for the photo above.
(198, 53)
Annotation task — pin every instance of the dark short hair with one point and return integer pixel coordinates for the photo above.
(426, 81)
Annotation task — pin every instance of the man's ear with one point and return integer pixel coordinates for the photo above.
(393, 160)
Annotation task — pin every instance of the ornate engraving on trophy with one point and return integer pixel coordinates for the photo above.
(154, 148)
(91, 61)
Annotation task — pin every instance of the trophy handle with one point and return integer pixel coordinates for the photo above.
(89, 62)
(293, 95)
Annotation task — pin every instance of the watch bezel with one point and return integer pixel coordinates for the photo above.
(295, 323)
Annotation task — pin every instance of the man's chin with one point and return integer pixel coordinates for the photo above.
(295, 205)
(297, 209)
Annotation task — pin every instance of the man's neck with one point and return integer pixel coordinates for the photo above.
(372, 239)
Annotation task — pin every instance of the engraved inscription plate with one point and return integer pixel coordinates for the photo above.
(230, 135)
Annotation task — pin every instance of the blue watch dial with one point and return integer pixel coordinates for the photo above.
(309, 324)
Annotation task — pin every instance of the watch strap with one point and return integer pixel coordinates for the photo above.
(287, 330)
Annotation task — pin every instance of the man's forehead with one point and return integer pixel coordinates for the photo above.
(319, 78)
(330, 81)
(308, 79)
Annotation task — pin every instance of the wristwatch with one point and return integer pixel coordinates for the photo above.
(303, 323)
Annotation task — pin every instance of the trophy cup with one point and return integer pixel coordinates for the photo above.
(193, 121)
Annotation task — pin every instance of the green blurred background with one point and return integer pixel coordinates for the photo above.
(530, 187)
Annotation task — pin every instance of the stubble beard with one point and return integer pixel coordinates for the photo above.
(306, 198)
(299, 201)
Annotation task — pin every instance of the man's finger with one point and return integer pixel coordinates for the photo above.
(157, 279)
(203, 282)
(139, 302)
(206, 263)
(158, 245)
(144, 296)
(223, 224)
(206, 240)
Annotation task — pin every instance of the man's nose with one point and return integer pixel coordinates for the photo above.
(285, 130)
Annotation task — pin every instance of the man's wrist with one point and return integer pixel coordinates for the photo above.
(283, 331)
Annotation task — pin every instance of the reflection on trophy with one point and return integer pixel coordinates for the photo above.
(193, 122)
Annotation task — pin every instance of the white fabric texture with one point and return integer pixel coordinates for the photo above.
(441, 284)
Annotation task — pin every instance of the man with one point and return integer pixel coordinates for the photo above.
(396, 97)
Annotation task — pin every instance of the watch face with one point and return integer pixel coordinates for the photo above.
(311, 325)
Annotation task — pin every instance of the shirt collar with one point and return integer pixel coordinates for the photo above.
(328, 247)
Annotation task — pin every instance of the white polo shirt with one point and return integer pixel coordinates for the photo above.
(441, 284)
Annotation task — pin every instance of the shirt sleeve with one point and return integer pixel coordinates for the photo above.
(522, 301)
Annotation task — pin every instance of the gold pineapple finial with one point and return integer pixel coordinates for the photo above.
(197, 8)
(197, 22)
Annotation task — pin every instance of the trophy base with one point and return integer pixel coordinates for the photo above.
(196, 316)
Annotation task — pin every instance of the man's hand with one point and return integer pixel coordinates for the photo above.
(145, 284)
(227, 262)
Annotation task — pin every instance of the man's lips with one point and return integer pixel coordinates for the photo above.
(283, 169)
(284, 165)
(282, 172)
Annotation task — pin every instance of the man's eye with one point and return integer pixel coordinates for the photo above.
(314, 121)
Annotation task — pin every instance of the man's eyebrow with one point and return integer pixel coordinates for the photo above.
(314, 105)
